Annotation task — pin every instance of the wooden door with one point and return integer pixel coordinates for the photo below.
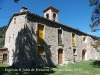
(60, 58)
(83, 55)
(40, 33)
(73, 40)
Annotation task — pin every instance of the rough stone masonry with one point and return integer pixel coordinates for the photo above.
(23, 32)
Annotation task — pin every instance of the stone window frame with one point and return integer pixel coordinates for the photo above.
(15, 20)
(85, 39)
(74, 52)
(75, 39)
(37, 31)
(61, 36)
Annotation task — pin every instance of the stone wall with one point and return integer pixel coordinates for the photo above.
(51, 38)
(2, 52)
(16, 25)
(23, 41)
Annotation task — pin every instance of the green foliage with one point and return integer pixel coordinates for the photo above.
(3, 65)
(95, 18)
(96, 44)
(2, 35)
(16, 1)
(93, 2)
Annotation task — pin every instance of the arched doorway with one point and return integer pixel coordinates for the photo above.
(84, 54)
(60, 56)
(4, 58)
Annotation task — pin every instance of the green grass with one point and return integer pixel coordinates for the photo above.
(90, 67)
(3, 65)
(80, 68)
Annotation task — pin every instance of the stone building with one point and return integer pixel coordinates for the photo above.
(4, 58)
(33, 40)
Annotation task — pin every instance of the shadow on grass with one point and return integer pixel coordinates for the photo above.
(26, 71)
(96, 63)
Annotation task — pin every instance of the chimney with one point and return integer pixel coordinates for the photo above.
(23, 9)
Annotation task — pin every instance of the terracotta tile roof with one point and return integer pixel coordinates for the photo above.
(51, 7)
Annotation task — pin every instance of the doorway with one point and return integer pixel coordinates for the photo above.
(83, 54)
(4, 58)
(60, 56)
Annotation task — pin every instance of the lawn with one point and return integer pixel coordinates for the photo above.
(90, 67)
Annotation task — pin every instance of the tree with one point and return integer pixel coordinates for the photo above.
(97, 43)
(95, 18)
(16, 1)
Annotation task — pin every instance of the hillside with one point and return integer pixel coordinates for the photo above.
(2, 35)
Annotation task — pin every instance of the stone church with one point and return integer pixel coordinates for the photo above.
(33, 40)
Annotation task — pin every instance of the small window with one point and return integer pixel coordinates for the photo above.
(54, 16)
(84, 38)
(74, 52)
(12, 53)
(13, 35)
(9, 39)
(40, 50)
(59, 37)
(14, 20)
(40, 33)
(47, 15)
(73, 40)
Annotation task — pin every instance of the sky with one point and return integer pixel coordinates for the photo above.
(73, 13)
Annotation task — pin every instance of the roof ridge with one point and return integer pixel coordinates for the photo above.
(28, 12)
